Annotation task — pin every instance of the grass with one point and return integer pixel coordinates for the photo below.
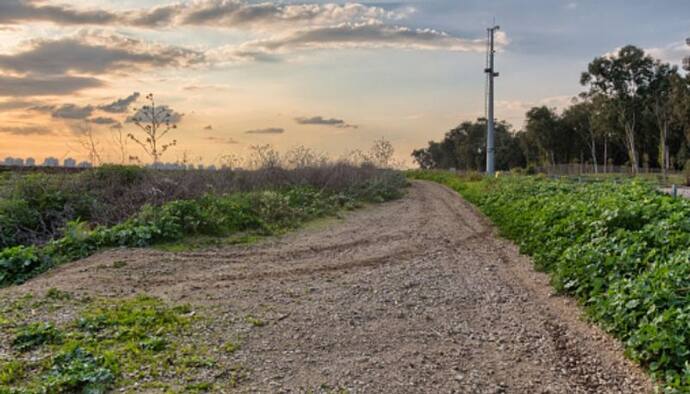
(199, 242)
(108, 344)
(254, 321)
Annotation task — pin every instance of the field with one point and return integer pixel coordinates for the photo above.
(413, 294)
(82, 343)
(197, 281)
(620, 248)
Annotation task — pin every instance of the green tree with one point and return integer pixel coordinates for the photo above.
(625, 78)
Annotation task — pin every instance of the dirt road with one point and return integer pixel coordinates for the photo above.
(416, 295)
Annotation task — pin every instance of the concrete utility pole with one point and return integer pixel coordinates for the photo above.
(491, 74)
(686, 60)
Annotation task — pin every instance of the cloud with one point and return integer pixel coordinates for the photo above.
(371, 34)
(229, 140)
(672, 53)
(10, 105)
(66, 111)
(67, 65)
(270, 130)
(265, 15)
(45, 85)
(319, 120)
(95, 54)
(20, 11)
(199, 88)
(26, 130)
(101, 120)
(236, 14)
(121, 105)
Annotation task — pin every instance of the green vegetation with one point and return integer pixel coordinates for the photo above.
(254, 321)
(237, 216)
(622, 249)
(109, 344)
(34, 335)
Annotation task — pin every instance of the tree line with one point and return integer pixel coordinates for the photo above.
(634, 111)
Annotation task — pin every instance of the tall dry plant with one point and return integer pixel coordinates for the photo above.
(155, 122)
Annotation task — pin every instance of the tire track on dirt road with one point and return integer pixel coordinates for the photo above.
(416, 295)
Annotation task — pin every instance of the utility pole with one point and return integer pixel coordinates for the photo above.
(686, 60)
(491, 74)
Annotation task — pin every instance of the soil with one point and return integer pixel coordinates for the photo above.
(412, 296)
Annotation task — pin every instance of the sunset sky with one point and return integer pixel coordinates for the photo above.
(333, 76)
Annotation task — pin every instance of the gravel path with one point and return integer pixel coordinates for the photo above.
(416, 295)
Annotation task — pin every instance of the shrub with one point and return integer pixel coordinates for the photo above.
(261, 212)
(37, 208)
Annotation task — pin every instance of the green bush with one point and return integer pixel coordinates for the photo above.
(623, 249)
(18, 222)
(264, 212)
(36, 208)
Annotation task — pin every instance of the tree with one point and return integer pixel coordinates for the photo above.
(625, 78)
(88, 141)
(381, 153)
(464, 148)
(579, 119)
(155, 122)
(660, 102)
(543, 125)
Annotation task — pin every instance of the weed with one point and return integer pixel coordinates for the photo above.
(111, 343)
(254, 321)
(57, 295)
(203, 387)
(231, 346)
(11, 372)
(119, 264)
(77, 370)
(34, 335)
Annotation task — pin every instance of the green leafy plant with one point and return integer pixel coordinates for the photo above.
(34, 335)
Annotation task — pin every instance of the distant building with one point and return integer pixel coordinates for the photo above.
(69, 163)
(85, 164)
(13, 161)
(51, 162)
(30, 162)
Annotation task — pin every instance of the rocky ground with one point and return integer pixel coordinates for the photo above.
(415, 295)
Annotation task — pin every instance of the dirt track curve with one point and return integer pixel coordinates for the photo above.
(415, 295)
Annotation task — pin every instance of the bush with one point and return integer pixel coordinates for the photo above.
(37, 208)
(261, 212)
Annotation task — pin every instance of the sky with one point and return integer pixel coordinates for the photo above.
(332, 76)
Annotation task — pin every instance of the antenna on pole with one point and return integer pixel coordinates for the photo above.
(490, 75)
